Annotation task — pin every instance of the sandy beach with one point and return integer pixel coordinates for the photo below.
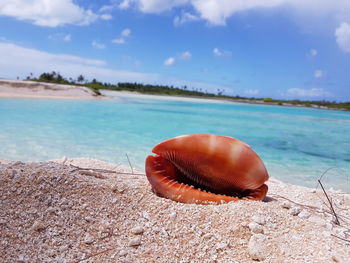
(42, 90)
(31, 89)
(129, 94)
(56, 212)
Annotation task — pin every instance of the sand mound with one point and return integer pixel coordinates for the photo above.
(31, 89)
(52, 212)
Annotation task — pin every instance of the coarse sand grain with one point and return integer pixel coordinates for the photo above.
(55, 212)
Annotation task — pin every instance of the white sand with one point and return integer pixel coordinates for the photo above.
(31, 89)
(128, 94)
(51, 212)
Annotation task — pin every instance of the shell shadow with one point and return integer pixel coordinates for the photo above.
(269, 199)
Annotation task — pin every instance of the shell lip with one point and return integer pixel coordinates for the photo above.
(182, 178)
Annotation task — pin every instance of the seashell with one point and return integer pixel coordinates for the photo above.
(206, 169)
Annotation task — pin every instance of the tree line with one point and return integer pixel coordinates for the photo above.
(96, 86)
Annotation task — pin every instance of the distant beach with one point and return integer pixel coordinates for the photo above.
(44, 90)
(31, 89)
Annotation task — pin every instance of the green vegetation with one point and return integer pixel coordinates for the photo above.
(96, 86)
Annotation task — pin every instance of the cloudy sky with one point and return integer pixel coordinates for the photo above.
(293, 49)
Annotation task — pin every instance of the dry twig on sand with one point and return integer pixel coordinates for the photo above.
(127, 157)
(77, 168)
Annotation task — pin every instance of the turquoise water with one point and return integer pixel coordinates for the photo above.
(296, 144)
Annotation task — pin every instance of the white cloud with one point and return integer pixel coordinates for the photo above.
(216, 12)
(124, 4)
(20, 61)
(157, 6)
(308, 93)
(106, 17)
(221, 53)
(123, 35)
(217, 52)
(185, 55)
(182, 56)
(106, 8)
(126, 32)
(67, 38)
(185, 18)
(169, 61)
(319, 73)
(313, 52)
(342, 34)
(51, 13)
(61, 37)
(98, 45)
(118, 41)
(251, 91)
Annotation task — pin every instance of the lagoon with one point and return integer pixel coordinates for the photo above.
(296, 144)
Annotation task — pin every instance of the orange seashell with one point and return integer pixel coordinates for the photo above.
(205, 168)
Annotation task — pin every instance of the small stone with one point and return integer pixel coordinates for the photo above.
(221, 245)
(123, 253)
(257, 248)
(208, 236)
(134, 242)
(295, 210)
(145, 215)
(89, 239)
(13, 174)
(114, 200)
(63, 248)
(255, 228)
(173, 215)
(3, 221)
(137, 230)
(241, 241)
(304, 214)
(118, 188)
(51, 252)
(339, 202)
(89, 219)
(21, 258)
(38, 226)
(244, 224)
(329, 226)
(335, 258)
(259, 219)
(326, 233)
(317, 220)
(286, 204)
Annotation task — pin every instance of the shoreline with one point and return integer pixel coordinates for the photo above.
(64, 213)
(43, 90)
(215, 100)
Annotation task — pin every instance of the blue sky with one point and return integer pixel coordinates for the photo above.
(290, 49)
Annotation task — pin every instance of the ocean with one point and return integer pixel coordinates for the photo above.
(297, 145)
